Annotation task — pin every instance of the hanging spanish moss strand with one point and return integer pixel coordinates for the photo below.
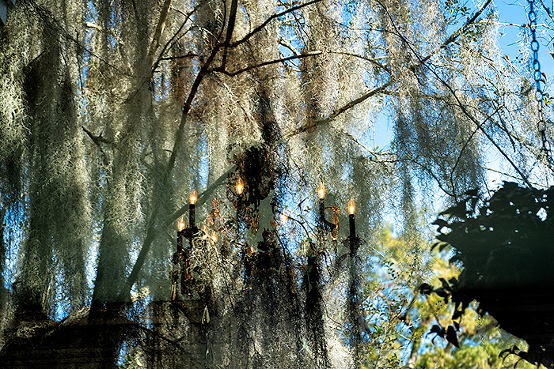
(112, 112)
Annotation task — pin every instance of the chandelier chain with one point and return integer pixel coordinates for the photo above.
(539, 95)
(537, 76)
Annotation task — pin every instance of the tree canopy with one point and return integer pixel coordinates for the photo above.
(117, 117)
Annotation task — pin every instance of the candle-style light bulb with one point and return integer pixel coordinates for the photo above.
(321, 191)
(321, 194)
(240, 210)
(351, 221)
(180, 227)
(351, 207)
(192, 210)
(193, 197)
(240, 186)
(181, 224)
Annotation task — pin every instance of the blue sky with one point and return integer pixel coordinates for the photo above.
(512, 13)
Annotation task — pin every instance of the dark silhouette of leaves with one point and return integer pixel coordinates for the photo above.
(451, 336)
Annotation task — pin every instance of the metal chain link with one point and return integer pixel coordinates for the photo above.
(535, 49)
(537, 76)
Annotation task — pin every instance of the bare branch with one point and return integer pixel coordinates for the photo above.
(230, 29)
(371, 60)
(159, 29)
(185, 56)
(336, 112)
(288, 46)
(510, 176)
(164, 49)
(457, 33)
(263, 64)
(437, 179)
(98, 140)
(266, 22)
(547, 9)
(479, 127)
(94, 26)
(489, 137)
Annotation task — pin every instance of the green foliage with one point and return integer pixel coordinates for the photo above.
(131, 361)
(401, 315)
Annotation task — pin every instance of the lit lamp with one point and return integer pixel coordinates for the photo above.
(323, 223)
(240, 213)
(321, 194)
(351, 210)
(180, 227)
(192, 208)
(240, 190)
(177, 257)
(353, 294)
(181, 224)
(240, 186)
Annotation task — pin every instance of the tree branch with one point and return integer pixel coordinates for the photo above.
(336, 112)
(94, 26)
(372, 61)
(98, 140)
(479, 126)
(489, 137)
(457, 33)
(266, 22)
(230, 29)
(187, 17)
(453, 93)
(185, 56)
(380, 89)
(232, 74)
(152, 232)
(288, 46)
(159, 29)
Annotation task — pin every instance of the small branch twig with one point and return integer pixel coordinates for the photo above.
(263, 64)
(268, 20)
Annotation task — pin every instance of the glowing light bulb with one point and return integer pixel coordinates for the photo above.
(351, 207)
(193, 197)
(240, 186)
(321, 191)
(284, 218)
(181, 224)
(213, 237)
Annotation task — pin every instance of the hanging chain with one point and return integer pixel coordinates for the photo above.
(539, 95)
(537, 76)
